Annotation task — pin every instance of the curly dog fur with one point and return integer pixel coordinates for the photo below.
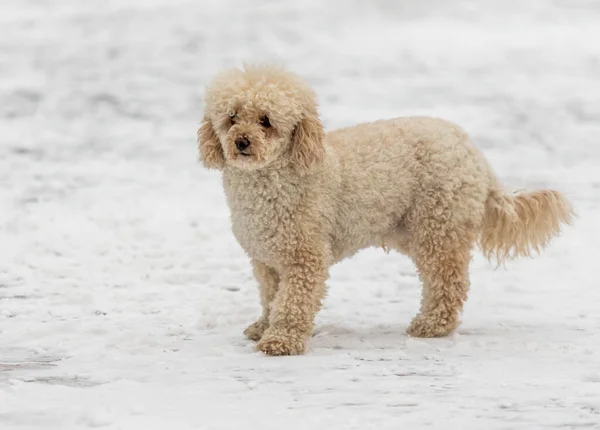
(302, 200)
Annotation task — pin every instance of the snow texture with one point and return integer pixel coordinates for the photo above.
(123, 294)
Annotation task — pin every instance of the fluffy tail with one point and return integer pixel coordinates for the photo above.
(521, 224)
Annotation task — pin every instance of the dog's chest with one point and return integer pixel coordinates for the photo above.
(262, 214)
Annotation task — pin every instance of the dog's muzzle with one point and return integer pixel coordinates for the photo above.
(242, 144)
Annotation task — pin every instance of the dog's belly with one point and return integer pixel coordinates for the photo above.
(359, 232)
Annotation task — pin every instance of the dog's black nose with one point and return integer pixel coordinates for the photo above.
(242, 143)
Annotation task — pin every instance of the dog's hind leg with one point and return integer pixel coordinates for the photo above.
(268, 283)
(442, 258)
(444, 225)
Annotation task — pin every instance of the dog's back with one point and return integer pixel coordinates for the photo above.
(387, 166)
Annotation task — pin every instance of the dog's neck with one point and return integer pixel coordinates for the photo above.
(279, 171)
(279, 180)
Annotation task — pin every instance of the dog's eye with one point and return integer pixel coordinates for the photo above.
(232, 118)
(264, 121)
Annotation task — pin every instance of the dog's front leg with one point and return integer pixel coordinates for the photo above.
(268, 283)
(296, 303)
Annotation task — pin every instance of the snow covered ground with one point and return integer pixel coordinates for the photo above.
(123, 294)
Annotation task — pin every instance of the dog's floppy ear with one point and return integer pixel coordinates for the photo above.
(307, 140)
(211, 153)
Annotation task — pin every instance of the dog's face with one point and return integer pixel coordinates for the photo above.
(251, 133)
(256, 116)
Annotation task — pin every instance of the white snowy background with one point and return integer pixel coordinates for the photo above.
(123, 294)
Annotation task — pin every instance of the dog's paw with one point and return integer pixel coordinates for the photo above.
(282, 342)
(255, 330)
(433, 325)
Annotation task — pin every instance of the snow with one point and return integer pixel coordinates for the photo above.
(123, 294)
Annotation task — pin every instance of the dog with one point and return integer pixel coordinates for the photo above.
(302, 200)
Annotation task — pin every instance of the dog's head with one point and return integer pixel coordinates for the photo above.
(257, 115)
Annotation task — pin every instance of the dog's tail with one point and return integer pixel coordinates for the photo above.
(516, 225)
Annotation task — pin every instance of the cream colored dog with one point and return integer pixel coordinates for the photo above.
(302, 200)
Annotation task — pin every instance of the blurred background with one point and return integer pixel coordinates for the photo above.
(115, 244)
(103, 77)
